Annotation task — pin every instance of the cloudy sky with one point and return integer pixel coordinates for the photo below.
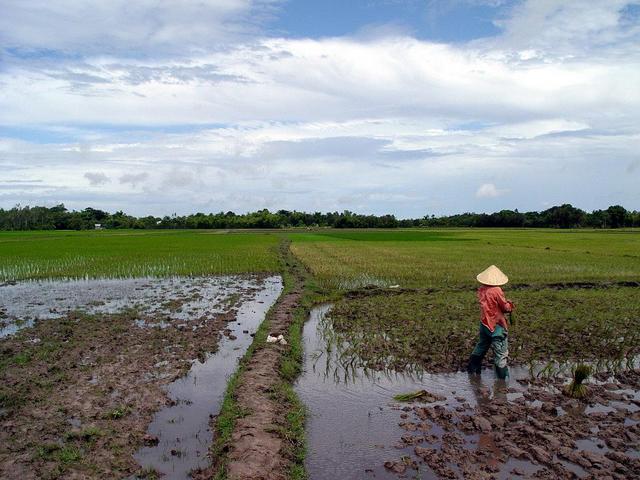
(410, 107)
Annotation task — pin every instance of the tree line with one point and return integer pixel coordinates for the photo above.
(60, 218)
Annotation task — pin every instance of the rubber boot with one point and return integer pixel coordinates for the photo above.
(474, 365)
(502, 373)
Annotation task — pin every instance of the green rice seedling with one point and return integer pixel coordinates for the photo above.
(438, 330)
(69, 454)
(450, 258)
(418, 395)
(149, 473)
(47, 450)
(88, 434)
(408, 397)
(549, 370)
(576, 388)
(123, 254)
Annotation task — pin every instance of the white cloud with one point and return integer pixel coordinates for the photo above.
(633, 166)
(323, 80)
(570, 28)
(96, 178)
(237, 168)
(362, 122)
(489, 190)
(536, 128)
(134, 178)
(122, 26)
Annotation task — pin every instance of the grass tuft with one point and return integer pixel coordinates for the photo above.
(118, 412)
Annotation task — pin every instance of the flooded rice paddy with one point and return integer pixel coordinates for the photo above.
(471, 428)
(169, 299)
(182, 429)
(121, 350)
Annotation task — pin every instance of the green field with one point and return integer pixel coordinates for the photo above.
(434, 329)
(112, 254)
(434, 324)
(452, 258)
(576, 294)
(337, 258)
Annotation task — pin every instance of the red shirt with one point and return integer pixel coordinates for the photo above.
(493, 304)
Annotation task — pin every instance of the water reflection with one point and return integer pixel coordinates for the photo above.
(354, 423)
(335, 357)
(182, 429)
(155, 301)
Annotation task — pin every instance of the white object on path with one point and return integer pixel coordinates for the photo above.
(280, 339)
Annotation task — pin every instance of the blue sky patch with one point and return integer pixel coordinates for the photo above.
(442, 21)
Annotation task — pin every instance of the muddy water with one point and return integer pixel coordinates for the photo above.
(183, 428)
(169, 299)
(353, 423)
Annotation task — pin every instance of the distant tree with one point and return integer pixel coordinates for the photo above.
(564, 216)
(388, 221)
(617, 216)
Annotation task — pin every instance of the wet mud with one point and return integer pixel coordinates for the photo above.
(162, 299)
(540, 434)
(258, 450)
(474, 427)
(79, 391)
(179, 435)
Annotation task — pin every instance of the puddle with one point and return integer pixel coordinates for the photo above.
(598, 408)
(522, 467)
(183, 428)
(592, 445)
(171, 299)
(574, 468)
(352, 426)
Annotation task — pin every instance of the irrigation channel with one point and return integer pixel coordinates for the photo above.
(354, 425)
(181, 430)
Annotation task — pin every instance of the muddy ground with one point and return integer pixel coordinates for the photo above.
(538, 434)
(77, 393)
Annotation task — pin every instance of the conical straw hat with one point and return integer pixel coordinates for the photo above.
(492, 276)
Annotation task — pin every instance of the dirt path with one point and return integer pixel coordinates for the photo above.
(256, 450)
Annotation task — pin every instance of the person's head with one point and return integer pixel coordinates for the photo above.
(492, 277)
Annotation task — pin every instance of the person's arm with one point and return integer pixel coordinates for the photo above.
(505, 305)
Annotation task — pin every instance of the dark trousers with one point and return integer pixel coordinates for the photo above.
(498, 342)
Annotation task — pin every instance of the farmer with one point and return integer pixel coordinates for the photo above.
(493, 324)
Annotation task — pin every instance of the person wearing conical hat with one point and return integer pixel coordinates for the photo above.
(493, 323)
